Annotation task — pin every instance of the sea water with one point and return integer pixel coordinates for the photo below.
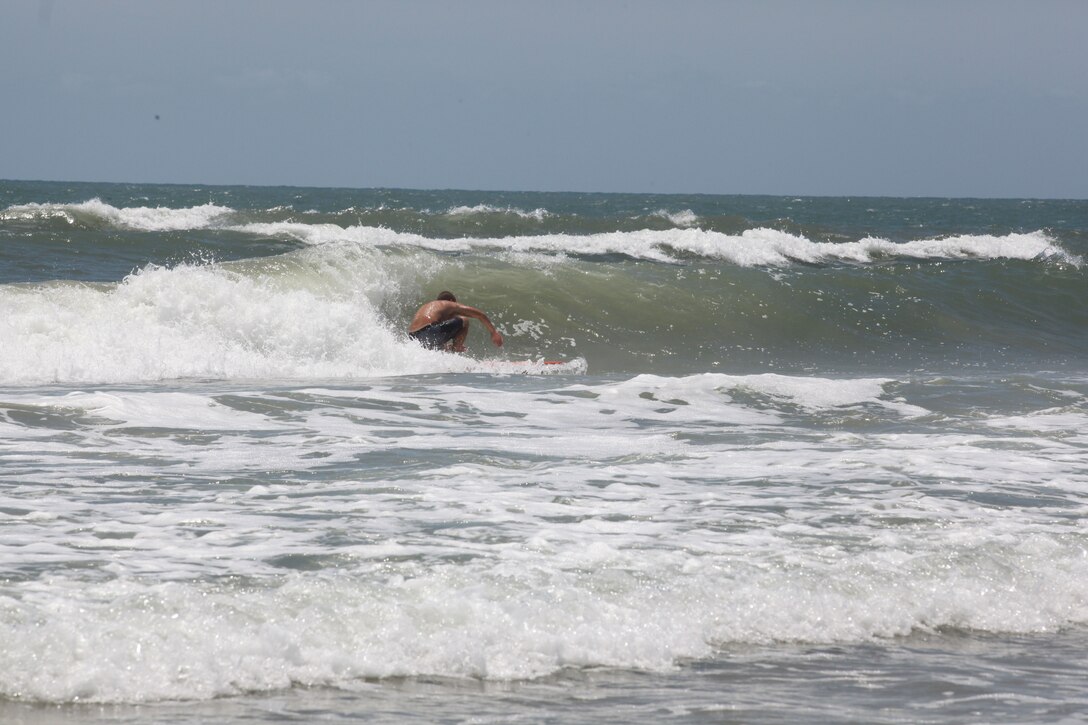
(807, 459)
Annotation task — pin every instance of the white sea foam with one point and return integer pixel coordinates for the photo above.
(128, 640)
(814, 393)
(203, 321)
(159, 410)
(507, 532)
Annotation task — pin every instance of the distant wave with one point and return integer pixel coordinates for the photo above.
(685, 218)
(97, 212)
(753, 247)
(538, 214)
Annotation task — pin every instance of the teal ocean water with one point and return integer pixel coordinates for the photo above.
(806, 459)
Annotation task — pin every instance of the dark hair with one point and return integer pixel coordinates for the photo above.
(447, 296)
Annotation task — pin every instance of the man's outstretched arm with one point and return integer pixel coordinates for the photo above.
(466, 311)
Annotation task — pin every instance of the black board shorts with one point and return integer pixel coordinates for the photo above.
(436, 335)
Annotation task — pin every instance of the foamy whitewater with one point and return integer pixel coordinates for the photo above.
(802, 460)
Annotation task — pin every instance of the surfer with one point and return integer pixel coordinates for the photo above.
(442, 324)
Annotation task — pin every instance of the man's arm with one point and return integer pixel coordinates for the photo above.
(466, 311)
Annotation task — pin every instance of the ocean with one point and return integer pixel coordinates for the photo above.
(804, 460)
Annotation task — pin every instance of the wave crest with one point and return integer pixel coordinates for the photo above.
(760, 247)
(96, 212)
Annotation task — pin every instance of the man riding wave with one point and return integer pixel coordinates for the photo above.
(442, 324)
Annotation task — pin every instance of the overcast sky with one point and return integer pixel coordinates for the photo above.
(911, 98)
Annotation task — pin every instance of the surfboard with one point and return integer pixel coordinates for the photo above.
(576, 365)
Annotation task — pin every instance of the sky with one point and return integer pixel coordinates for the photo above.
(965, 98)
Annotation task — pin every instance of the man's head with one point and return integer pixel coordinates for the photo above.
(446, 296)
